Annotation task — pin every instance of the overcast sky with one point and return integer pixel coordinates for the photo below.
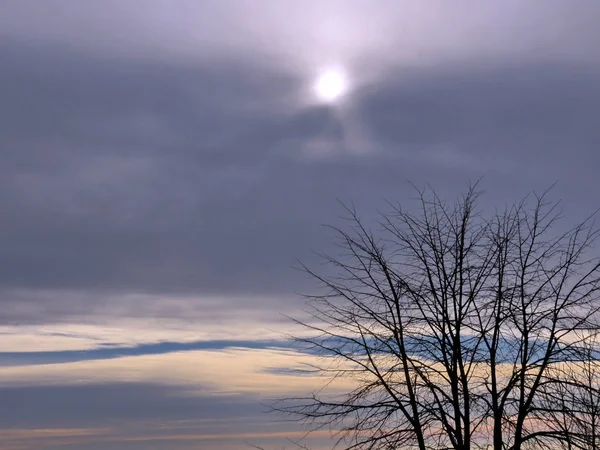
(164, 163)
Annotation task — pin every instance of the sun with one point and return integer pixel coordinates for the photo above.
(331, 85)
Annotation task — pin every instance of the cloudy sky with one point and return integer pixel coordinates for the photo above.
(164, 163)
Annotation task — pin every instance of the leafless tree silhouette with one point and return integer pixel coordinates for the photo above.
(572, 400)
(457, 330)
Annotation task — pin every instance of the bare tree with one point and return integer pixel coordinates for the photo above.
(571, 399)
(452, 326)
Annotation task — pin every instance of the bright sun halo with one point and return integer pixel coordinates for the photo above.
(331, 85)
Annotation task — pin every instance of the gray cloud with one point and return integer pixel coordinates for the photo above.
(36, 406)
(128, 175)
(133, 416)
(311, 30)
(495, 114)
(161, 167)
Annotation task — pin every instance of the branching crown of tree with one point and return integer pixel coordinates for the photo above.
(458, 330)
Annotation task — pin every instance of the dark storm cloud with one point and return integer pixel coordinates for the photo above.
(122, 174)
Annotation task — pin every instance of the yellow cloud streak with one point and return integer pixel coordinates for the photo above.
(220, 372)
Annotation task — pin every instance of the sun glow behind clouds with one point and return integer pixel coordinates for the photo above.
(331, 85)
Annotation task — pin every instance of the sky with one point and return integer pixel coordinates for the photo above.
(164, 164)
